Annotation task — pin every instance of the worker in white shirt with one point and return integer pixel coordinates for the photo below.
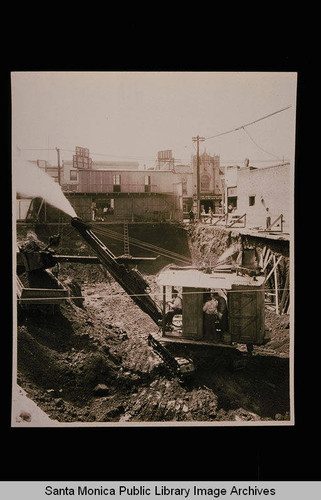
(175, 307)
(210, 317)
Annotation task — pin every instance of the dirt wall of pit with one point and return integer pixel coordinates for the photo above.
(166, 241)
(207, 243)
(158, 238)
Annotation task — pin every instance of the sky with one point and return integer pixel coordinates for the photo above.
(133, 115)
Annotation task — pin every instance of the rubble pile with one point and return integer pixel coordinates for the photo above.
(93, 364)
(207, 244)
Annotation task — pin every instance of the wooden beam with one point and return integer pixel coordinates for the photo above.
(275, 266)
(272, 270)
(284, 294)
(267, 261)
(237, 220)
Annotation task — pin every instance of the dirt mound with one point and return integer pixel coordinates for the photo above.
(207, 245)
(279, 329)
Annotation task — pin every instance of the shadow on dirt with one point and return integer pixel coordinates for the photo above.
(55, 331)
(258, 384)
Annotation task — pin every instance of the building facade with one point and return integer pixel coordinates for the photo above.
(136, 195)
(210, 182)
(265, 192)
(70, 170)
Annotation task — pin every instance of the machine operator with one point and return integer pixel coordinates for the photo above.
(175, 307)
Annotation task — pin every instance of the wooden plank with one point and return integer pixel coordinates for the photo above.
(272, 270)
(170, 338)
(37, 295)
(192, 313)
(219, 219)
(280, 217)
(285, 293)
(44, 292)
(236, 220)
(246, 314)
(276, 285)
(19, 286)
(261, 263)
(267, 258)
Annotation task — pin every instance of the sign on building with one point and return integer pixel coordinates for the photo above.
(82, 151)
(165, 160)
(81, 158)
(165, 155)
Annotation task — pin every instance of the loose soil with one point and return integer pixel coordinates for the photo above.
(89, 361)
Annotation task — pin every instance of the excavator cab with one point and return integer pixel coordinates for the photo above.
(244, 304)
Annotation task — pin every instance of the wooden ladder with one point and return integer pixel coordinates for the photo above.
(126, 240)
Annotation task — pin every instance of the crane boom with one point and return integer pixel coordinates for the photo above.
(130, 280)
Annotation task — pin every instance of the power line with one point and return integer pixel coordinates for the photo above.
(260, 146)
(235, 160)
(116, 156)
(240, 160)
(154, 159)
(144, 245)
(37, 149)
(247, 124)
(152, 294)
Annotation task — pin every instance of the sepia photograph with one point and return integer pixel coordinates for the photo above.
(153, 229)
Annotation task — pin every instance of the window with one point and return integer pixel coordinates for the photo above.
(251, 201)
(147, 183)
(116, 182)
(205, 182)
(184, 186)
(73, 175)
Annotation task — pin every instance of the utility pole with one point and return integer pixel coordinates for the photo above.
(225, 204)
(58, 153)
(197, 139)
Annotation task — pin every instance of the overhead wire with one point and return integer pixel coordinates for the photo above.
(247, 124)
(150, 247)
(155, 295)
(143, 245)
(241, 127)
(115, 234)
(257, 145)
(237, 160)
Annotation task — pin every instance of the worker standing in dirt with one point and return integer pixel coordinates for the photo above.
(221, 313)
(175, 307)
(210, 310)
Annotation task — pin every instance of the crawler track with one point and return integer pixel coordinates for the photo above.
(179, 366)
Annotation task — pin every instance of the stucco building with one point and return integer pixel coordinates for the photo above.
(259, 189)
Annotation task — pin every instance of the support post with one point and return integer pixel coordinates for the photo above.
(164, 310)
(276, 285)
(197, 139)
(272, 270)
(59, 173)
(285, 294)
